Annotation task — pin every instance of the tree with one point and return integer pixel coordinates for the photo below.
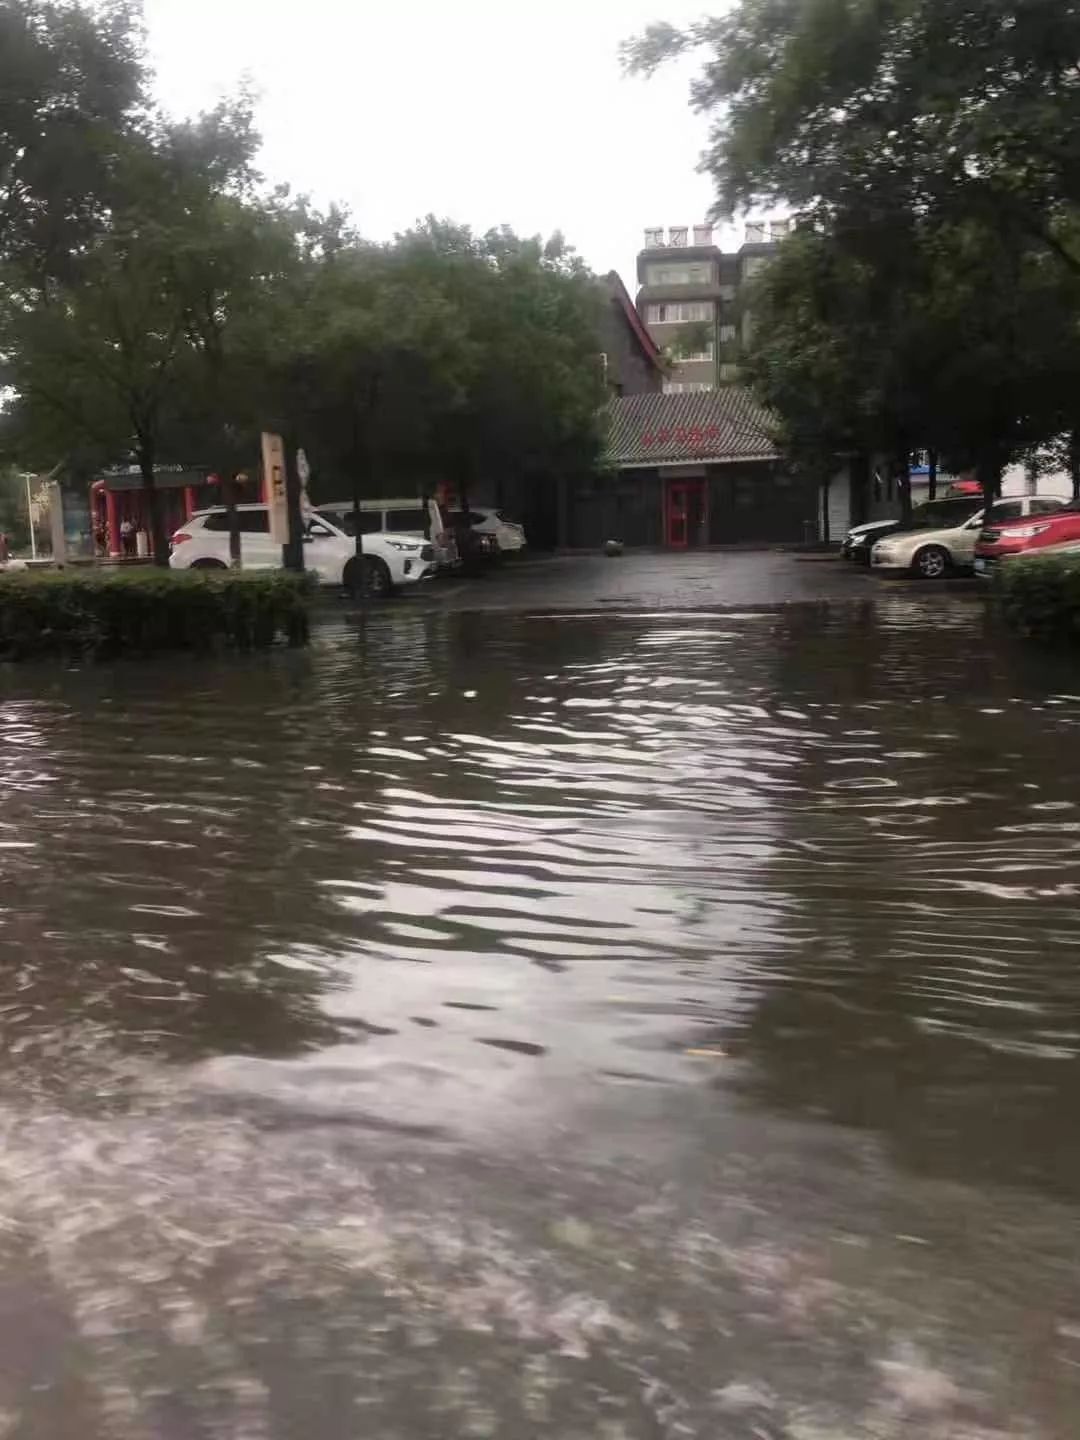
(932, 148)
(531, 411)
(71, 85)
(112, 361)
(940, 108)
(441, 357)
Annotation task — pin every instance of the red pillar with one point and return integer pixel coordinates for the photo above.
(189, 501)
(112, 523)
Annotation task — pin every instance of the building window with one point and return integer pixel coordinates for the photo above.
(686, 387)
(729, 373)
(679, 314)
(706, 354)
(727, 292)
(727, 332)
(753, 265)
(678, 274)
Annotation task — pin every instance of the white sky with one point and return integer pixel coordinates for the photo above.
(481, 111)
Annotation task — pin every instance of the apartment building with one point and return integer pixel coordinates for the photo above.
(691, 297)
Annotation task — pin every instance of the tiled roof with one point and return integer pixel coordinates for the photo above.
(717, 425)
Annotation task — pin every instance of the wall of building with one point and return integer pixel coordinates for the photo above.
(756, 502)
(760, 502)
(692, 374)
(681, 274)
(834, 519)
(625, 505)
(629, 370)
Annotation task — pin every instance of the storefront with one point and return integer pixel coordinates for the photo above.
(120, 512)
(686, 471)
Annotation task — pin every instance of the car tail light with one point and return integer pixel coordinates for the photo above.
(180, 537)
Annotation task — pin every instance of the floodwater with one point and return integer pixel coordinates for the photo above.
(603, 1027)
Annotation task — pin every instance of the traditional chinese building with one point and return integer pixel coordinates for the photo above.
(693, 470)
(630, 358)
(118, 496)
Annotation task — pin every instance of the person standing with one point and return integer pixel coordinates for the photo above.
(127, 537)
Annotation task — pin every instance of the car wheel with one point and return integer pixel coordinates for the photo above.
(932, 563)
(207, 564)
(377, 580)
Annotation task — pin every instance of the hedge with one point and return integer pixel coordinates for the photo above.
(101, 613)
(1040, 596)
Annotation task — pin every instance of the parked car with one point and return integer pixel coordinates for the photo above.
(935, 553)
(1049, 529)
(478, 549)
(202, 543)
(421, 519)
(509, 535)
(933, 515)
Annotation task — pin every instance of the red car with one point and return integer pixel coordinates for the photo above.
(1049, 523)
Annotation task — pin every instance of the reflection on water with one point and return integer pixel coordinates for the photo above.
(622, 1026)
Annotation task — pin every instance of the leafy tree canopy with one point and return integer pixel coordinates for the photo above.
(878, 107)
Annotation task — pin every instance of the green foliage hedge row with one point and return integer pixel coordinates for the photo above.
(1040, 596)
(103, 613)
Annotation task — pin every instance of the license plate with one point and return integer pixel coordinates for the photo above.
(981, 567)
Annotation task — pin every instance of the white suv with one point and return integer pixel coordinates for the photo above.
(202, 543)
(486, 520)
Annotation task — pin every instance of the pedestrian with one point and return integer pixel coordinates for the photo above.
(5, 549)
(127, 536)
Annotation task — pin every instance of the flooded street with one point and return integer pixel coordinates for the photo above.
(603, 1026)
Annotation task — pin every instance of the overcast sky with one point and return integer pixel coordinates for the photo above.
(483, 111)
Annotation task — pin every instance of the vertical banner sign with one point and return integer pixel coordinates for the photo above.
(56, 521)
(273, 458)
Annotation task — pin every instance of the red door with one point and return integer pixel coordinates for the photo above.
(684, 513)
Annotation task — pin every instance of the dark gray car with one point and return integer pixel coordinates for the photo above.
(933, 515)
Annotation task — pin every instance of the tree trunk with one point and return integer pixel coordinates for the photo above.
(292, 552)
(159, 541)
(823, 497)
(988, 474)
(903, 483)
(229, 489)
(1074, 463)
(931, 479)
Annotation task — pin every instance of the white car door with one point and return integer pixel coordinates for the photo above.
(257, 550)
(962, 541)
(325, 552)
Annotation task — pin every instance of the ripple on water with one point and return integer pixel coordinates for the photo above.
(633, 888)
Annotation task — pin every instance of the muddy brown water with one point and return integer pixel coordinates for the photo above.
(613, 1026)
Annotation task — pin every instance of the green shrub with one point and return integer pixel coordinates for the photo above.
(104, 613)
(1040, 596)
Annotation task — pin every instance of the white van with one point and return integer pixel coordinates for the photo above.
(402, 516)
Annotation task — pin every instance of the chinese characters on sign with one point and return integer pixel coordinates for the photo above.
(693, 435)
(273, 458)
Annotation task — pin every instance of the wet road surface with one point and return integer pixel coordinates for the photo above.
(620, 1025)
(645, 580)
